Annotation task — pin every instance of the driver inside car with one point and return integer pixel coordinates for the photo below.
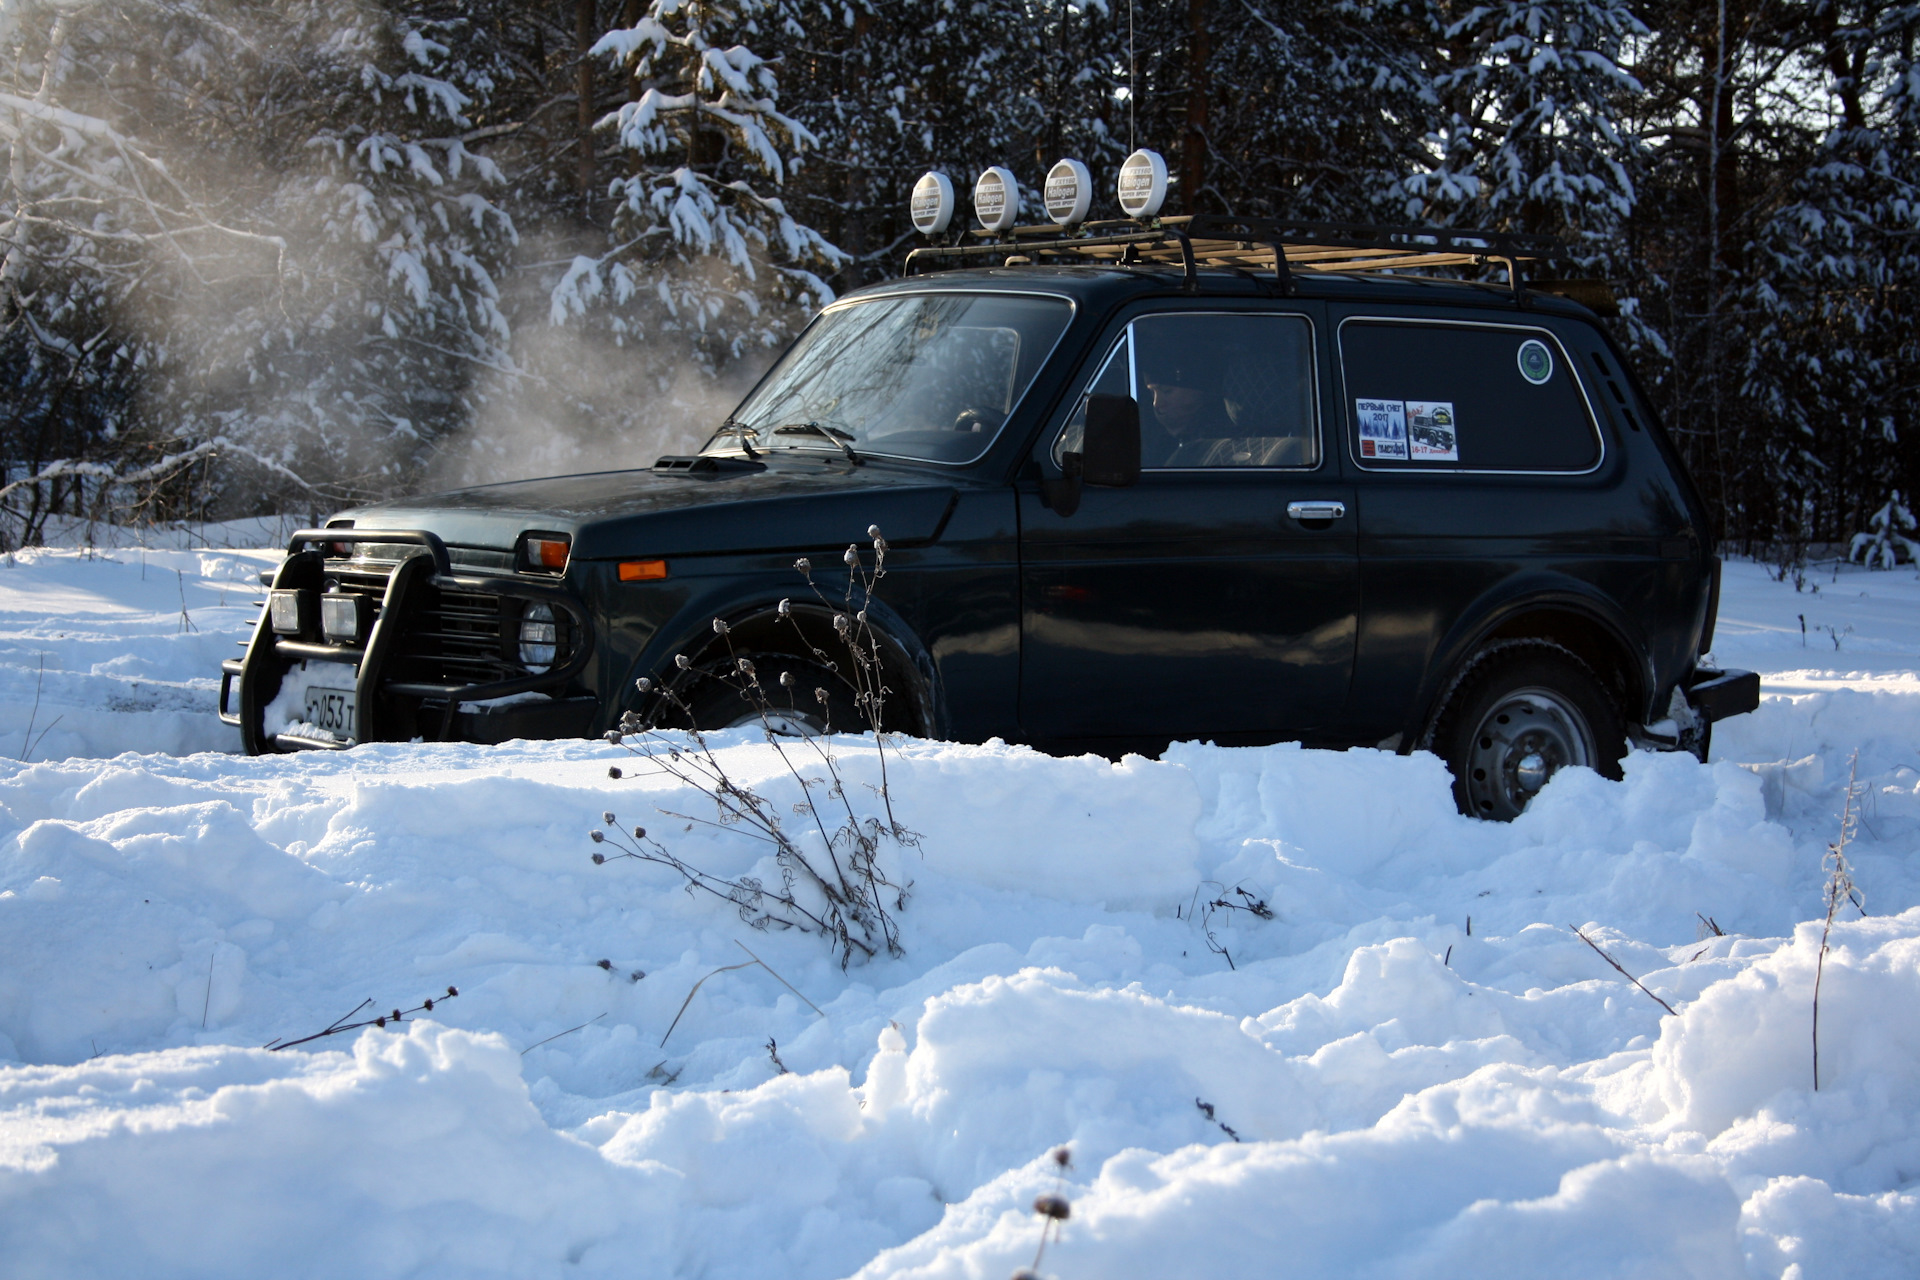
(1187, 410)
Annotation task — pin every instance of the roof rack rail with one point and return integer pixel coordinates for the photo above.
(1214, 240)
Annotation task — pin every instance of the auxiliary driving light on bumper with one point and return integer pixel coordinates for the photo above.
(343, 617)
(291, 612)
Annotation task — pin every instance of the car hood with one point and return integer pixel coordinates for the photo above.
(789, 506)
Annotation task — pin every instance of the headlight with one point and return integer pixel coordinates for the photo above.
(539, 638)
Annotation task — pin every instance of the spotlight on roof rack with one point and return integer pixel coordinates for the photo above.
(932, 204)
(1068, 193)
(996, 199)
(1143, 184)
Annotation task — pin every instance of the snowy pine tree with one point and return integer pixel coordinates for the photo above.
(1529, 135)
(703, 254)
(1888, 537)
(251, 229)
(1835, 334)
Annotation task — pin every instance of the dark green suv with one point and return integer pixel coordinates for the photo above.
(1205, 479)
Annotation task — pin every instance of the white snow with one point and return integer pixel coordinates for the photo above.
(1405, 1097)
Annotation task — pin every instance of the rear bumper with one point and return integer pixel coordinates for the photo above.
(460, 710)
(1716, 695)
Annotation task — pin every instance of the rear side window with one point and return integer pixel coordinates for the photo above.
(1477, 398)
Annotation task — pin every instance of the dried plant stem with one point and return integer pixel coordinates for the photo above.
(777, 978)
(1623, 973)
(729, 968)
(340, 1025)
(569, 1031)
(26, 739)
(1840, 888)
(725, 968)
(839, 889)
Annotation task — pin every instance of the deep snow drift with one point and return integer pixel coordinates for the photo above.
(1358, 1086)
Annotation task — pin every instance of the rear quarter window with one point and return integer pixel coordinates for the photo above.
(1432, 396)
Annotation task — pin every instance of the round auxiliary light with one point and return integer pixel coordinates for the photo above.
(1068, 193)
(996, 199)
(1143, 184)
(932, 204)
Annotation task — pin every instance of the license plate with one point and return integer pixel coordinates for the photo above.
(332, 710)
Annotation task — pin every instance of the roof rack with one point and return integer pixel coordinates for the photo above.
(1213, 240)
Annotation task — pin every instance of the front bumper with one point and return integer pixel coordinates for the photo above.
(465, 709)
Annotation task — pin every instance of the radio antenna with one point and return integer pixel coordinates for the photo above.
(1133, 77)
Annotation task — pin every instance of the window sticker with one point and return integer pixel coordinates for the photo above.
(1536, 362)
(1431, 433)
(1383, 428)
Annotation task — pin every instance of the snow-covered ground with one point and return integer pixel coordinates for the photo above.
(1414, 1069)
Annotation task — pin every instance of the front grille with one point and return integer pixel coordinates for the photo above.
(461, 637)
(453, 637)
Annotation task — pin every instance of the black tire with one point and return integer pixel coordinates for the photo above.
(1522, 712)
(724, 700)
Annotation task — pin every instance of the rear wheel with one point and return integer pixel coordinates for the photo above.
(1522, 713)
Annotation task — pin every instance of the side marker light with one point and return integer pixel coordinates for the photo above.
(642, 570)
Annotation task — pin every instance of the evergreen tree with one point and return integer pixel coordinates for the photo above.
(1529, 134)
(703, 253)
(240, 229)
(1888, 537)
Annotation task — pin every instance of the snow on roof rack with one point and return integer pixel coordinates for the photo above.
(1213, 240)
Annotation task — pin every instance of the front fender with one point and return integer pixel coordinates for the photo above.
(756, 616)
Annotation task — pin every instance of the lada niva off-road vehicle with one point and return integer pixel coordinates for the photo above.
(1198, 479)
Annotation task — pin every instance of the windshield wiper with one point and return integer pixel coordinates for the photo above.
(833, 435)
(746, 433)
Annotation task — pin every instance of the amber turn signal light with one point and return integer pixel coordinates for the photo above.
(547, 553)
(642, 570)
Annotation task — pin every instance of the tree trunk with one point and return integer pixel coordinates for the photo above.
(1194, 151)
(583, 38)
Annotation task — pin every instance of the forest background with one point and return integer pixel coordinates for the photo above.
(280, 255)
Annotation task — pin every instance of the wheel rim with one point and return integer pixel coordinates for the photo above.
(1522, 741)
(781, 722)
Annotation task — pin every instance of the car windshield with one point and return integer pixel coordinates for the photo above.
(928, 376)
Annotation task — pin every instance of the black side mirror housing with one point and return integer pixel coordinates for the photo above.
(1109, 453)
(1112, 443)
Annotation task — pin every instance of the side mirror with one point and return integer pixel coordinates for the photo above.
(1112, 443)
(1109, 453)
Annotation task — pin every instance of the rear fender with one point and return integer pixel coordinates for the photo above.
(1550, 607)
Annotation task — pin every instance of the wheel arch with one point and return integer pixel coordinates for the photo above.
(1564, 614)
(759, 627)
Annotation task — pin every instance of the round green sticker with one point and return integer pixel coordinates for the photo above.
(1536, 362)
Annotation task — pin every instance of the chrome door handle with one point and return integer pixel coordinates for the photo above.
(1316, 510)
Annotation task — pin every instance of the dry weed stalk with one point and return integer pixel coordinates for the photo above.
(1224, 901)
(840, 891)
(1053, 1209)
(1840, 888)
(748, 963)
(1623, 973)
(340, 1025)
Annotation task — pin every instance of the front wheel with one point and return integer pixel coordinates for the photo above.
(1521, 714)
(787, 709)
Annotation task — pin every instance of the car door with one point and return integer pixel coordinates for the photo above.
(1217, 598)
